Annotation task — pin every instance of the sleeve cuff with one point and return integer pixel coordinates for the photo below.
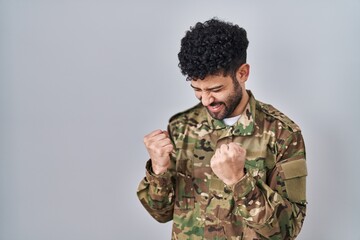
(161, 180)
(244, 186)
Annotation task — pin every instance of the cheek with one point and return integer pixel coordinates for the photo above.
(218, 97)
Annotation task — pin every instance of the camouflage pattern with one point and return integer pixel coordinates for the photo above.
(267, 203)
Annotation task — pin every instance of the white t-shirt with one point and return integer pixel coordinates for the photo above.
(231, 121)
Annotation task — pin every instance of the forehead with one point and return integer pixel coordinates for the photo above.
(211, 81)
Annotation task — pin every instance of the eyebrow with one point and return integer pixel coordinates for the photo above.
(208, 89)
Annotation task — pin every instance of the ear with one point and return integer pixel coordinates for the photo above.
(243, 72)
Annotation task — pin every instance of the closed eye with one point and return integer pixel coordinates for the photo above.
(216, 90)
(213, 89)
(195, 88)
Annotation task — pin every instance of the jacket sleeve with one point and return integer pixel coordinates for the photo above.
(156, 194)
(275, 209)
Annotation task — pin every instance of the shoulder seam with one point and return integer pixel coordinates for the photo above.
(275, 113)
(183, 112)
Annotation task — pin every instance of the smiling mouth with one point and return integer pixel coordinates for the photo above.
(215, 107)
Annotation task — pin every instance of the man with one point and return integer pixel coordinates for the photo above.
(231, 167)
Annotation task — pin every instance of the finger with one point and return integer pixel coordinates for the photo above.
(154, 133)
(154, 137)
(157, 141)
(160, 137)
(166, 133)
(164, 151)
(235, 146)
(224, 148)
(148, 137)
(169, 148)
(164, 142)
(236, 150)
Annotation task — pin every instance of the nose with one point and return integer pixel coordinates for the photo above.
(206, 99)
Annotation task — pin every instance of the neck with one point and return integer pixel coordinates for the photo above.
(242, 105)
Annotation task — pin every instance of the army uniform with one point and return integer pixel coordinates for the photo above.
(267, 203)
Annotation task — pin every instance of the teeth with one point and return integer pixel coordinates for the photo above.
(215, 107)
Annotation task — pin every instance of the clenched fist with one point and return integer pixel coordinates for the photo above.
(228, 163)
(159, 147)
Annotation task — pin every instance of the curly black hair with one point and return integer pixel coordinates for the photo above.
(212, 47)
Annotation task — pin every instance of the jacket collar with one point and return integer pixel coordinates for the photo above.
(244, 126)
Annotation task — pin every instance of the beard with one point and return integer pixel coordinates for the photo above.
(230, 103)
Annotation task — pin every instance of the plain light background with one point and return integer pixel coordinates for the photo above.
(81, 83)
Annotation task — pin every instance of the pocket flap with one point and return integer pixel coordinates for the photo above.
(293, 169)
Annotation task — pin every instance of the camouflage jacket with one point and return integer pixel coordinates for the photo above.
(267, 203)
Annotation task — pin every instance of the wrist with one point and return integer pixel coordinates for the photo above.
(235, 179)
(159, 169)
